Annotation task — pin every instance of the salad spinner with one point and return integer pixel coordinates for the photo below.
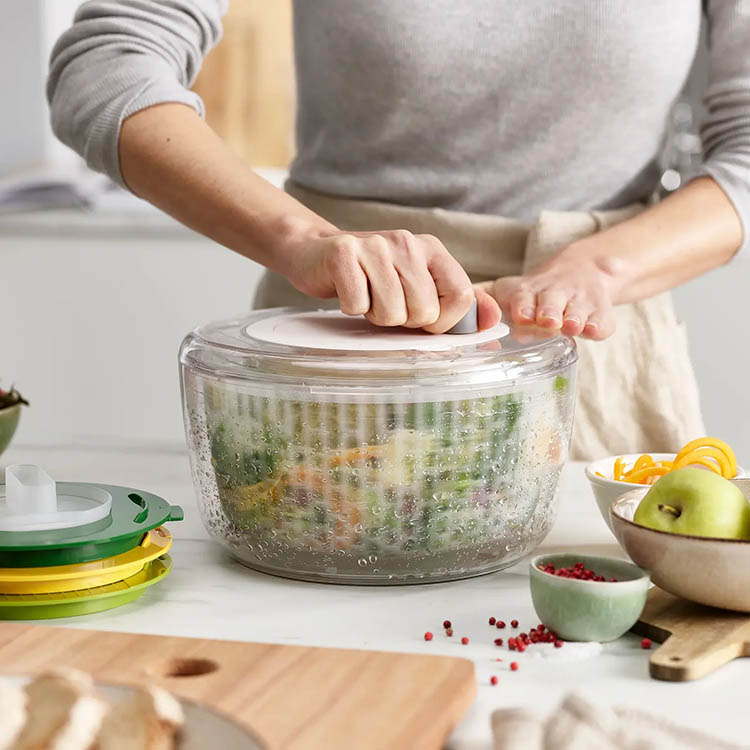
(324, 448)
(72, 548)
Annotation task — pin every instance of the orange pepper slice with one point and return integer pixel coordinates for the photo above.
(641, 463)
(619, 465)
(709, 463)
(701, 455)
(667, 464)
(647, 472)
(710, 452)
(709, 442)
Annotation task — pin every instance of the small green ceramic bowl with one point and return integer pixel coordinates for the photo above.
(588, 610)
(8, 422)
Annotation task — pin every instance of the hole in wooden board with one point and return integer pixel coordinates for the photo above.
(186, 668)
(675, 658)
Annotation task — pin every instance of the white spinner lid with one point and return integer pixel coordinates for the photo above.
(334, 331)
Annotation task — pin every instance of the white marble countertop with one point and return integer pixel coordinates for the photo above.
(208, 595)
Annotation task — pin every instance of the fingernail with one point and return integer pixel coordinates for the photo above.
(527, 312)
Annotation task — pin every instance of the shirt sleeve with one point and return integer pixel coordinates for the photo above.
(726, 130)
(119, 57)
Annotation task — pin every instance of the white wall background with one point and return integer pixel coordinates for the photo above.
(28, 30)
(92, 321)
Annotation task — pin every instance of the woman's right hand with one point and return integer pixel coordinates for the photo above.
(393, 278)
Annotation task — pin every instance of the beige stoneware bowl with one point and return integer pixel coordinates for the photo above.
(715, 572)
(606, 489)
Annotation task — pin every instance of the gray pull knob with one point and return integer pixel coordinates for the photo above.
(467, 324)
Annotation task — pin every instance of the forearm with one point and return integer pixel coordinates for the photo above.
(689, 233)
(170, 157)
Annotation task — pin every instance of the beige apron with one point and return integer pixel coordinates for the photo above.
(636, 390)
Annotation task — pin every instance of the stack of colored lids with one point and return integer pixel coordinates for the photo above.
(71, 548)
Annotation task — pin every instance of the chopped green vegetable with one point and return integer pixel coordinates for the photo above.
(377, 478)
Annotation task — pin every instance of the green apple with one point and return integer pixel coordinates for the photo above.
(696, 502)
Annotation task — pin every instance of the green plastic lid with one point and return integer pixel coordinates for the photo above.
(66, 534)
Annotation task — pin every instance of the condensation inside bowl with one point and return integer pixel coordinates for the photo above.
(377, 491)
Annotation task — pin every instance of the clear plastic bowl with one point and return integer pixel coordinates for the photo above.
(405, 458)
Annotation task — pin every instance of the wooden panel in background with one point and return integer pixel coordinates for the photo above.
(247, 82)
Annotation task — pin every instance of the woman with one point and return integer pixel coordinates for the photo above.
(508, 144)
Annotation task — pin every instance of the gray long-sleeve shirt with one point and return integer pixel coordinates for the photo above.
(491, 106)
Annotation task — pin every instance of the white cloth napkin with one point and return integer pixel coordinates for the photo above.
(579, 725)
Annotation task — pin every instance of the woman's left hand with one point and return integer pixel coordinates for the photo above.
(573, 295)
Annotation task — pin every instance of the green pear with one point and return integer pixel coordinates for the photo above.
(695, 502)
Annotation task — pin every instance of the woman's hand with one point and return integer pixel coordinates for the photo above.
(393, 278)
(569, 293)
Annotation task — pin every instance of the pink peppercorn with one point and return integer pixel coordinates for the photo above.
(500, 624)
(446, 624)
(646, 643)
(514, 623)
(578, 571)
(493, 679)
(492, 621)
(514, 666)
(558, 644)
(428, 636)
(465, 641)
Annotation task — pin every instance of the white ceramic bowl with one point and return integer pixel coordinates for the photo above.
(606, 489)
(715, 572)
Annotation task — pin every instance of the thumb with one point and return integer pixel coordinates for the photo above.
(488, 311)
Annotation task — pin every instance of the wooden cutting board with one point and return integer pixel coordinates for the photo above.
(696, 640)
(291, 696)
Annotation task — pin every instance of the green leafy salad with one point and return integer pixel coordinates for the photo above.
(373, 478)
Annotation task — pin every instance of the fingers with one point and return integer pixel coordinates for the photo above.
(516, 299)
(549, 308)
(387, 299)
(523, 305)
(399, 279)
(575, 317)
(576, 308)
(395, 278)
(453, 286)
(600, 325)
(420, 292)
(488, 311)
(349, 280)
